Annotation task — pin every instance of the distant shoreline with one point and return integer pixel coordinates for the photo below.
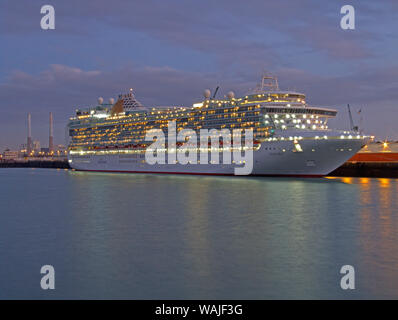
(349, 169)
(50, 164)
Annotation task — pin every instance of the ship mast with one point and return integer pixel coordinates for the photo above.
(268, 83)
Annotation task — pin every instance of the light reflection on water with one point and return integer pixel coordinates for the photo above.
(186, 237)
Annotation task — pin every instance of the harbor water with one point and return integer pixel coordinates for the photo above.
(143, 236)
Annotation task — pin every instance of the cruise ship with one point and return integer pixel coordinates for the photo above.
(290, 137)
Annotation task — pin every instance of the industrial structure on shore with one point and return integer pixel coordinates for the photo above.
(32, 148)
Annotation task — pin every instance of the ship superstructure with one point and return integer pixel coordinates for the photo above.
(290, 136)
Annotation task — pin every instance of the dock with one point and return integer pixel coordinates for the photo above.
(36, 163)
(367, 170)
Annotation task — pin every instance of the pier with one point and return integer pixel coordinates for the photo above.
(36, 163)
(367, 170)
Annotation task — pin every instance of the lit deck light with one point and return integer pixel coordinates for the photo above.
(298, 147)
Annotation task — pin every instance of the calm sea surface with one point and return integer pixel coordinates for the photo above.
(189, 237)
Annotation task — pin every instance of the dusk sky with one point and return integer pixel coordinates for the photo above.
(170, 51)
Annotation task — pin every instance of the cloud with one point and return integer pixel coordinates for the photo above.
(247, 33)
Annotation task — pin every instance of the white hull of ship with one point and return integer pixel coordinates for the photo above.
(275, 158)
